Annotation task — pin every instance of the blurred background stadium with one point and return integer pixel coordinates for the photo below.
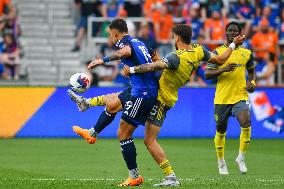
(44, 42)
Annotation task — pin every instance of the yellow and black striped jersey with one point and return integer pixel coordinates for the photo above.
(231, 86)
(181, 64)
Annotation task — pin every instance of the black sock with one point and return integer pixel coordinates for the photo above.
(129, 153)
(104, 120)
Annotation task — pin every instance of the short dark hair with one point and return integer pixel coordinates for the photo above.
(119, 24)
(235, 24)
(184, 32)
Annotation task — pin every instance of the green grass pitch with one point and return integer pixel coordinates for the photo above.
(72, 163)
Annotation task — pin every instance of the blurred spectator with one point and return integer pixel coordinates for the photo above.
(87, 8)
(10, 56)
(146, 36)
(133, 8)
(181, 7)
(211, 6)
(111, 8)
(215, 28)
(265, 45)
(151, 7)
(163, 23)
(195, 22)
(265, 73)
(275, 5)
(7, 10)
(244, 10)
(266, 14)
(107, 72)
(281, 26)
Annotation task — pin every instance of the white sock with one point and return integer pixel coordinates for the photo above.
(241, 155)
(134, 173)
(221, 161)
(93, 133)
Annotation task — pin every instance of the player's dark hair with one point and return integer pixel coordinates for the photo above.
(184, 32)
(235, 24)
(119, 24)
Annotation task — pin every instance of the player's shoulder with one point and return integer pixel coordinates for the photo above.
(244, 50)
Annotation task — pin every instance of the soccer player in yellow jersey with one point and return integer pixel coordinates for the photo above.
(231, 96)
(178, 67)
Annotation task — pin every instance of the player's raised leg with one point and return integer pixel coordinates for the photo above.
(113, 105)
(85, 103)
(245, 123)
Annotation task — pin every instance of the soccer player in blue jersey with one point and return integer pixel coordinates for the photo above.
(136, 103)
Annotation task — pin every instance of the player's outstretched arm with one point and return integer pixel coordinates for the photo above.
(122, 53)
(149, 67)
(213, 73)
(171, 61)
(221, 59)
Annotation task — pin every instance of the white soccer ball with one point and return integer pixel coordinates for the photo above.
(79, 82)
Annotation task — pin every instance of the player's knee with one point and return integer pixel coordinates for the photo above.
(113, 104)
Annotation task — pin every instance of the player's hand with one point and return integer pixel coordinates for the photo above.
(250, 87)
(95, 62)
(230, 67)
(239, 39)
(126, 71)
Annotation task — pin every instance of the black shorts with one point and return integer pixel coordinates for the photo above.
(158, 113)
(135, 111)
(222, 112)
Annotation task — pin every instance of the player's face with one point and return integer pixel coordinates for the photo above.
(232, 32)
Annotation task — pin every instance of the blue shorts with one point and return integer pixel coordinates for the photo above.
(135, 111)
(83, 22)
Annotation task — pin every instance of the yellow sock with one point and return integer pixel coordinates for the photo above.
(97, 101)
(245, 139)
(219, 141)
(166, 168)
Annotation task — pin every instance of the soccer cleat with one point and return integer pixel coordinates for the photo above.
(223, 170)
(79, 100)
(168, 181)
(242, 166)
(84, 133)
(132, 182)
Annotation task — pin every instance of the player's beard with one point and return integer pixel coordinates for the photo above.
(176, 46)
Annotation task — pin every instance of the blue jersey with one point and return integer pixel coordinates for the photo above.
(144, 85)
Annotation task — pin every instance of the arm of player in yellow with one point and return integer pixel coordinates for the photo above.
(213, 73)
(221, 59)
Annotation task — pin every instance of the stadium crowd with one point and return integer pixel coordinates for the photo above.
(9, 43)
(262, 21)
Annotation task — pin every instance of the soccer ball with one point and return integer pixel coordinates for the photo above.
(79, 82)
